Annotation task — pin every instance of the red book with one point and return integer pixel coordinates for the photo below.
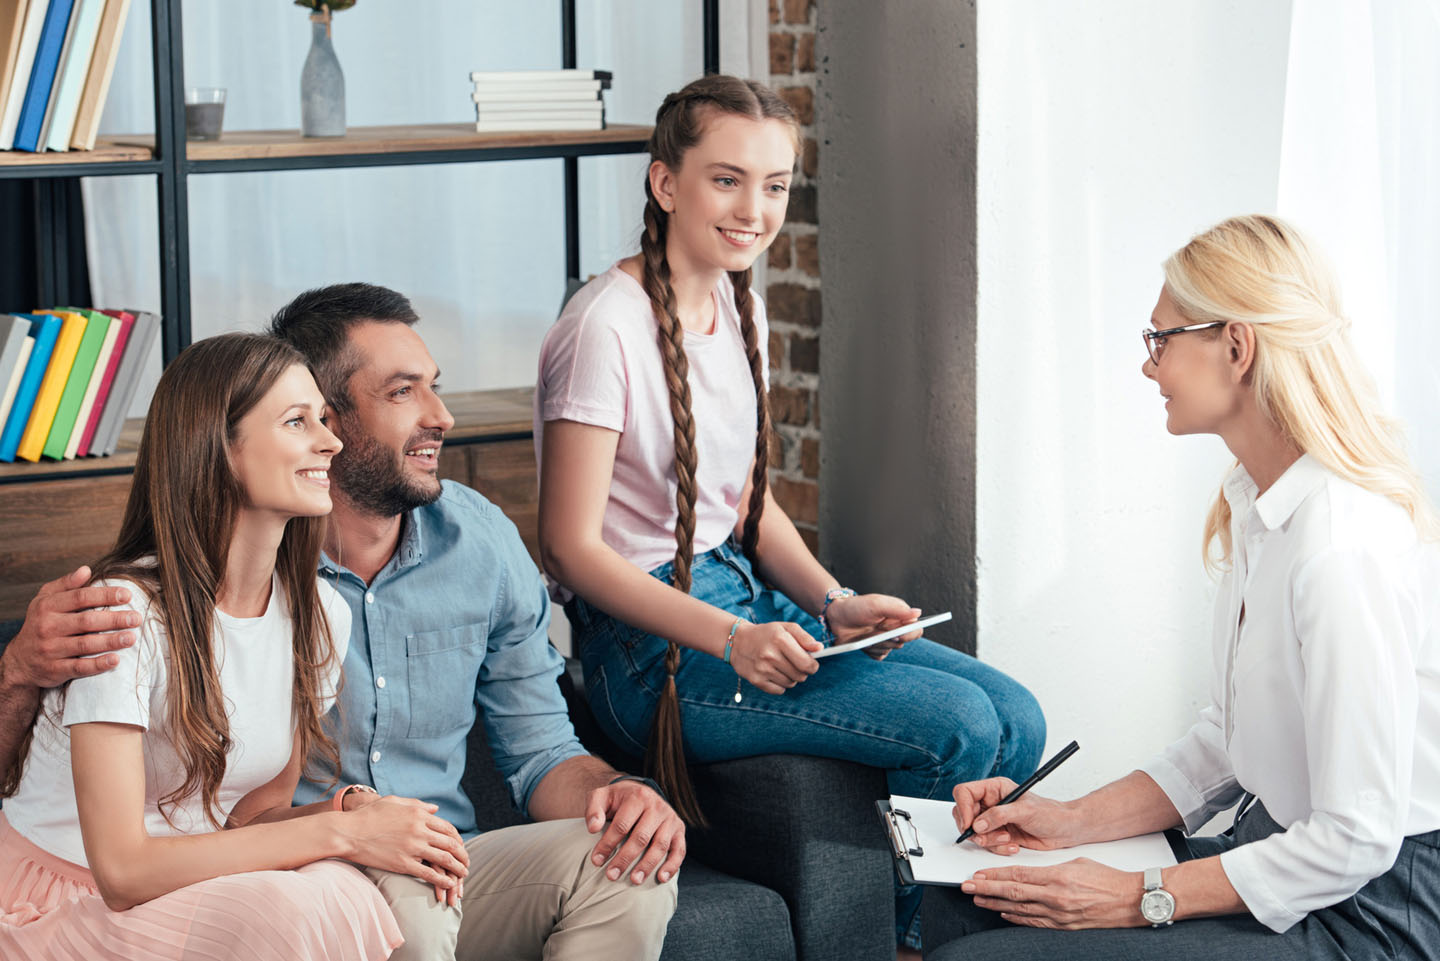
(127, 321)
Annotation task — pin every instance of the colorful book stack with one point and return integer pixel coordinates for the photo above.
(68, 377)
(56, 59)
(539, 99)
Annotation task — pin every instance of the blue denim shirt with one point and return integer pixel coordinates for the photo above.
(457, 620)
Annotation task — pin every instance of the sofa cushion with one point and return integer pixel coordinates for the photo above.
(722, 918)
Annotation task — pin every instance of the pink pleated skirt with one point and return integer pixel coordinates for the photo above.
(50, 910)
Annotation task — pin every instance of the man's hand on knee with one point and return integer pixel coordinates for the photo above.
(65, 625)
(652, 833)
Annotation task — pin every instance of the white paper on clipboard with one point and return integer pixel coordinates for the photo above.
(926, 829)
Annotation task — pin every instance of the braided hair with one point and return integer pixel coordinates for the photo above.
(678, 127)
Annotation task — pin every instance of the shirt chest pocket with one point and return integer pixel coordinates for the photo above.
(441, 671)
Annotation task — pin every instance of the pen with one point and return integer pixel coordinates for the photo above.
(1030, 782)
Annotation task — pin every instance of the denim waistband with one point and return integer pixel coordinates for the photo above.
(727, 551)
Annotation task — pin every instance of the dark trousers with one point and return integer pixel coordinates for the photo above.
(1395, 916)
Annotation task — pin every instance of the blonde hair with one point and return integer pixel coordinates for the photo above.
(1307, 376)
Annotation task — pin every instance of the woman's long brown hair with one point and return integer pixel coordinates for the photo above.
(679, 124)
(181, 512)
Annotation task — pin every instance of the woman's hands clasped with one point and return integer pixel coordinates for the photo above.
(778, 655)
(406, 836)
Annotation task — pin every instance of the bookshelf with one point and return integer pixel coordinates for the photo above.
(67, 512)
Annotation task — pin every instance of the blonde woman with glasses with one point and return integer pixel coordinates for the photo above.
(1326, 691)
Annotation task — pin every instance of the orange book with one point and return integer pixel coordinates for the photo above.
(42, 416)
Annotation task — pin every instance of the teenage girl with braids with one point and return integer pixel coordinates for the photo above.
(652, 429)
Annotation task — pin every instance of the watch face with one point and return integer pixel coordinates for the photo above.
(1157, 907)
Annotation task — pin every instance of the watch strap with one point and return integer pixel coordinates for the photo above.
(339, 799)
(643, 780)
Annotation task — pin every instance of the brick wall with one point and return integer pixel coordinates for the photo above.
(793, 292)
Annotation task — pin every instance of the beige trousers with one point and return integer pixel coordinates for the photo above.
(532, 893)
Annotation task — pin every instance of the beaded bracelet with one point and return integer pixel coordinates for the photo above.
(730, 641)
(830, 597)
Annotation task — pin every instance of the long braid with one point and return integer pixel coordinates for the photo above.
(760, 478)
(665, 756)
(677, 129)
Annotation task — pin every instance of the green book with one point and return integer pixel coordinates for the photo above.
(96, 327)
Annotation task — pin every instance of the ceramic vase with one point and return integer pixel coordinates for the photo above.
(322, 84)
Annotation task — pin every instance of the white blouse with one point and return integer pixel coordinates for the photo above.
(1326, 691)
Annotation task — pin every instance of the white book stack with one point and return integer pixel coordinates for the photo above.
(507, 100)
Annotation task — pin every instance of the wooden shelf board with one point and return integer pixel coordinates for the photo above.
(407, 138)
(107, 150)
(482, 414)
(479, 415)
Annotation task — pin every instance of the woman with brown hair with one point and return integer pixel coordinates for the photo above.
(153, 813)
(697, 606)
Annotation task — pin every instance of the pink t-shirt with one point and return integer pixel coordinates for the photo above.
(600, 365)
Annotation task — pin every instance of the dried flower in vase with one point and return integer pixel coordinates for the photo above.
(317, 5)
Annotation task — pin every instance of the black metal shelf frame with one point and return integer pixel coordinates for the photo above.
(99, 168)
(172, 169)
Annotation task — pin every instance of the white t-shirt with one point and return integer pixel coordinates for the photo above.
(1326, 697)
(256, 672)
(601, 365)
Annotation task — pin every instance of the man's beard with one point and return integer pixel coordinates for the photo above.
(372, 476)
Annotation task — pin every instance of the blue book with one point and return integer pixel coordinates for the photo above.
(42, 75)
(45, 331)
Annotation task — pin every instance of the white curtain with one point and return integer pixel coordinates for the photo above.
(1360, 150)
(1109, 132)
(478, 247)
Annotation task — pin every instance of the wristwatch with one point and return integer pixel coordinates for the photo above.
(1156, 905)
(338, 802)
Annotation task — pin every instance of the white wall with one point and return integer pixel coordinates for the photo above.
(477, 247)
(1109, 133)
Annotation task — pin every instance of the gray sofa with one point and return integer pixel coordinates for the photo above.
(803, 827)
(793, 866)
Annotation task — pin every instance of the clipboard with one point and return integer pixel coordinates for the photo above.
(904, 839)
(922, 844)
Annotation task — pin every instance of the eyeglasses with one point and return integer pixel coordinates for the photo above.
(1155, 339)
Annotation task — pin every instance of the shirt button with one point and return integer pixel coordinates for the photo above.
(375, 758)
(369, 597)
(379, 682)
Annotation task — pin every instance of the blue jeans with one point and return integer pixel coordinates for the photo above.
(930, 716)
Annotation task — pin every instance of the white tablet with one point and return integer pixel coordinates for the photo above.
(860, 643)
